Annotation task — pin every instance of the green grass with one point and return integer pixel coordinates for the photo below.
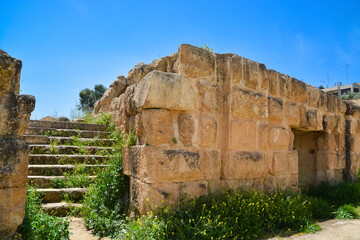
(232, 214)
(38, 225)
(347, 211)
(107, 200)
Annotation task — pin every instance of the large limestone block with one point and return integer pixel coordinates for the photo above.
(323, 101)
(252, 74)
(15, 112)
(242, 134)
(276, 108)
(208, 97)
(116, 88)
(340, 141)
(148, 196)
(12, 205)
(244, 164)
(331, 122)
(158, 127)
(284, 86)
(314, 119)
(186, 127)
(263, 136)
(10, 69)
(273, 82)
(279, 137)
(266, 77)
(327, 160)
(326, 142)
(164, 90)
(248, 104)
(332, 103)
(284, 163)
(196, 62)
(155, 164)
(207, 131)
(13, 162)
(292, 113)
(211, 165)
(313, 95)
(298, 91)
(236, 69)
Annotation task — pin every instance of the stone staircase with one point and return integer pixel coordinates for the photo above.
(60, 151)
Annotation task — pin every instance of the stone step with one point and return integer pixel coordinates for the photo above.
(66, 149)
(66, 132)
(42, 139)
(59, 170)
(62, 209)
(37, 159)
(52, 195)
(46, 181)
(67, 125)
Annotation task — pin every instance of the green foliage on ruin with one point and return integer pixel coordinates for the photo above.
(240, 214)
(107, 199)
(207, 48)
(38, 225)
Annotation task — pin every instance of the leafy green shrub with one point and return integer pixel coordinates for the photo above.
(321, 209)
(105, 119)
(131, 139)
(310, 227)
(38, 225)
(350, 96)
(344, 193)
(145, 227)
(106, 200)
(233, 215)
(347, 211)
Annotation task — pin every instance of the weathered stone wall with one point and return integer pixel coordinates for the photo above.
(208, 121)
(15, 112)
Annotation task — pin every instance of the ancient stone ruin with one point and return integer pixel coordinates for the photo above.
(205, 122)
(15, 112)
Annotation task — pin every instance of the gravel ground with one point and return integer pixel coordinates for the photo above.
(331, 230)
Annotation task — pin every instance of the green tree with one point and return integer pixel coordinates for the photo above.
(89, 97)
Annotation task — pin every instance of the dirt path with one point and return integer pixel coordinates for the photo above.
(79, 232)
(332, 230)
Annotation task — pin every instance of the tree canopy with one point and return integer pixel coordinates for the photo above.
(89, 97)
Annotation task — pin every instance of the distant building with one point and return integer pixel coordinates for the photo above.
(343, 89)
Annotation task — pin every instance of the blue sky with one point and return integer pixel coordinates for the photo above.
(69, 45)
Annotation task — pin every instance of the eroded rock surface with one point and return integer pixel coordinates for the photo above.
(15, 112)
(205, 122)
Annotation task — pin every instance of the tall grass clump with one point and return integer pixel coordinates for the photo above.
(37, 225)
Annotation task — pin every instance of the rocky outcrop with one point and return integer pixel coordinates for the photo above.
(15, 112)
(110, 97)
(205, 122)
